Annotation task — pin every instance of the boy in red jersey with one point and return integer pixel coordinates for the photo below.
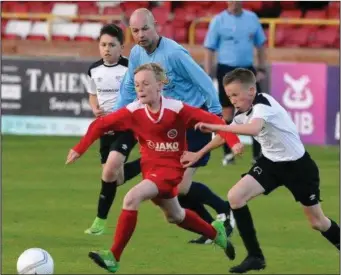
(160, 126)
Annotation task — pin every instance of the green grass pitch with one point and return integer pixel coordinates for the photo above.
(46, 204)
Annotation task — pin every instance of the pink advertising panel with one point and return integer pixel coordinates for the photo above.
(301, 89)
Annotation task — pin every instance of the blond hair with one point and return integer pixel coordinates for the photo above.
(158, 71)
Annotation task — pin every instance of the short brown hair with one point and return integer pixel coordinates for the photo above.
(244, 76)
(158, 71)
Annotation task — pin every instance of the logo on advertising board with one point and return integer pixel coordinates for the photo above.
(301, 89)
(297, 94)
(48, 87)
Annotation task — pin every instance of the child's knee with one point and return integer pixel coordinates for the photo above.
(131, 201)
(176, 217)
(236, 201)
(321, 224)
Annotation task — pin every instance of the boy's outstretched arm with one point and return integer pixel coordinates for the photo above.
(117, 121)
(191, 116)
(189, 158)
(251, 129)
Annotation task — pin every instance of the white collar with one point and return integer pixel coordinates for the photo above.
(160, 115)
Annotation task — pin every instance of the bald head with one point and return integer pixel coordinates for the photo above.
(142, 26)
(144, 15)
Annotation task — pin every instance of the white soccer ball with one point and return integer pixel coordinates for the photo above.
(35, 261)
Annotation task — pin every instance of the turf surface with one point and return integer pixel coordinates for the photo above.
(46, 204)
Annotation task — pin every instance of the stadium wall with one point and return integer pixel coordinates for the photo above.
(47, 96)
(78, 49)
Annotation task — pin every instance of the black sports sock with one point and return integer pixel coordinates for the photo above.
(106, 198)
(196, 207)
(333, 234)
(247, 231)
(226, 148)
(256, 149)
(204, 195)
(132, 169)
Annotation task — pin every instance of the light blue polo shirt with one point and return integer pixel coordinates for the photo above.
(187, 81)
(234, 37)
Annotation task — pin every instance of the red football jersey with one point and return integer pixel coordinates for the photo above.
(162, 136)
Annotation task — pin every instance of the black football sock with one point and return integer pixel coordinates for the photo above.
(201, 193)
(106, 198)
(132, 169)
(247, 231)
(226, 148)
(196, 207)
(333, 234)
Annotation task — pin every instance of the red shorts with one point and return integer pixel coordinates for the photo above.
(166, 179)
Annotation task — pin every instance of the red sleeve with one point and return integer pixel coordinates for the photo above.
(117, 121)
(192, 116)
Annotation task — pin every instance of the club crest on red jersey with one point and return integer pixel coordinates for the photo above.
(173, 133)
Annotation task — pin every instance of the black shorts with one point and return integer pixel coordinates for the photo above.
(301, 177)
(122, 142)
(222, 70)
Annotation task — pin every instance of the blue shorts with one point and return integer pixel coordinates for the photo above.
(195, 141)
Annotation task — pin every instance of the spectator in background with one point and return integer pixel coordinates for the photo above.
(233, 34)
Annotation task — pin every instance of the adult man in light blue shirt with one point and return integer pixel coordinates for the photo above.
(186, 82)
(233, 34)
